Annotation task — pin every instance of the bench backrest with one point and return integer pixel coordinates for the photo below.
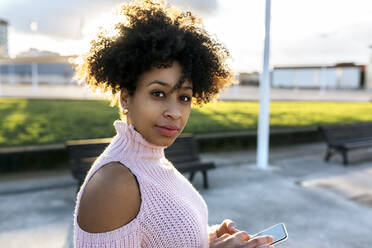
(183, 149)
(339, 133)
(79, 150)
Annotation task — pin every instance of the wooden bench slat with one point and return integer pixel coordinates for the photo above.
(358, 144)
(88, 150)
(200, 165)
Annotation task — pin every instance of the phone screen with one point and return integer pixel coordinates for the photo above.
(278, 231)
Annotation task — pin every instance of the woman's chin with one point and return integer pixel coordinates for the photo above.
(165, 141)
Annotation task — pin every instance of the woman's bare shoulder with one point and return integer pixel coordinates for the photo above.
(110, 199)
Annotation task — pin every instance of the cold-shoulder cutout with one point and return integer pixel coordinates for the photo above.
(111, 199)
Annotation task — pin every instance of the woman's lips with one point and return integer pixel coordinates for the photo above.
(166, 131)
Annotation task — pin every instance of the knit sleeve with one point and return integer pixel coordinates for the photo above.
(129, 235)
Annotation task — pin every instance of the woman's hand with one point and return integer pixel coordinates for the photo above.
(236, 240)
(228, 236)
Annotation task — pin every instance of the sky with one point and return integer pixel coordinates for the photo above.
(303, 32)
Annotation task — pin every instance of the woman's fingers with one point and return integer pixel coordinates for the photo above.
(242, 236)
(237, 240)
(227, 226)
(227, 233)
(258, 241)
(223, 237)
(241, 239)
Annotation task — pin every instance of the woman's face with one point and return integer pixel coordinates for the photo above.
(158, 110)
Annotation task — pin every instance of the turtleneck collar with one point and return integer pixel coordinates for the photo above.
(134, 144)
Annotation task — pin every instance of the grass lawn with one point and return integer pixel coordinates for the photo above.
(45, 121)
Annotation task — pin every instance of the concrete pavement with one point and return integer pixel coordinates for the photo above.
(315, 200)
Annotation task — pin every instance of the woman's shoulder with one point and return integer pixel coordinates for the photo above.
(110, 199)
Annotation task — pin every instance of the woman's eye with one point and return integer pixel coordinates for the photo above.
(158, 93)
(186, 98)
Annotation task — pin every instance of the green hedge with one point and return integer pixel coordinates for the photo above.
(46, 121)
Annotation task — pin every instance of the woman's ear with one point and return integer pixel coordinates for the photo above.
(124, 96)
(124, 102)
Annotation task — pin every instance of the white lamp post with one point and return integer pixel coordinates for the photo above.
(264, 114)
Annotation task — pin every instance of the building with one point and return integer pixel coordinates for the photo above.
(37, 67)
(3, 38)
(339, 76)
(246, 78)
(33, 66)
(369, 71)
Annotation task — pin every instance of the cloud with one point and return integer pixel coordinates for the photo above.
(62, 18)
(201, 7)
(345, 44)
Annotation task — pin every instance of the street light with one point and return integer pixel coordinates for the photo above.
(264, 114)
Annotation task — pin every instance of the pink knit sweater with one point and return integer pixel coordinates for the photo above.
(172, 212)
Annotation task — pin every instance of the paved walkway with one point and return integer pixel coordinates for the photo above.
(315, 200)
(244, 93)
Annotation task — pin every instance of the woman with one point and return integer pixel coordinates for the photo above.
(159, 62)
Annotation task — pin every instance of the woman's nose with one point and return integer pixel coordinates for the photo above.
(173, 111)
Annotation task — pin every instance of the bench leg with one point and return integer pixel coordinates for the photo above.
(77, 190)
(78, 185)
(344, 155)
(191, 176)
(328, 155)
(205, 179)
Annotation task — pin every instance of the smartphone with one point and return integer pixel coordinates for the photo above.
(278, 231)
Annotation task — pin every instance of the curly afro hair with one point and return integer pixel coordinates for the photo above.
(153, 34)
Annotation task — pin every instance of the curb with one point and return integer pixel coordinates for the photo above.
(20, 186)
(248, 139)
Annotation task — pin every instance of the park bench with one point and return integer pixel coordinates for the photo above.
(82, 154)
(342, 138)
(183, 153)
